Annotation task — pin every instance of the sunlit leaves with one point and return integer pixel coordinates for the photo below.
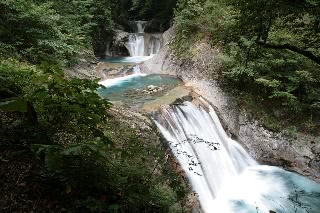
(39, 31)
(62, 105)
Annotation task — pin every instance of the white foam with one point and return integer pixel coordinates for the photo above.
(120, 80)
(228, 180)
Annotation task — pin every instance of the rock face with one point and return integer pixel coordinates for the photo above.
(120, 37)
(85, 69)
(299, 153)
(113, 70)
(116, 47)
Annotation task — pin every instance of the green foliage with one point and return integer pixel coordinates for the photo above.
(57, 31)
(64, 122)
(67, 125)
(102, 24)
(59, 104)
(149, 9)
(37, 32)
(269, 46)
(121, 176)
(276, 72)
(187, 14)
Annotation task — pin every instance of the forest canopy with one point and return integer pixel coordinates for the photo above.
(57, 31)
(270, 49)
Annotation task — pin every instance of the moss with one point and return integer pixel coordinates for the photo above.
(249, 102)
(184, 48)
(271, 114)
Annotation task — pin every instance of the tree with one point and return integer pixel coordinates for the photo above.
(35, 31)
(283, 25)
(270, 48)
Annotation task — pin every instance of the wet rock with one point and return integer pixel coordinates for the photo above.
(295, 152)
(316, 149)
(152, 87)
(120, 37)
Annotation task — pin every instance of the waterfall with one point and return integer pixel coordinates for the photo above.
(141, 44)
(140, 25)
(135, 44)
(136, 69)
(223, 175)
(154, 43)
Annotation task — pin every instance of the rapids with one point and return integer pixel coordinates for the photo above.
(223, 175)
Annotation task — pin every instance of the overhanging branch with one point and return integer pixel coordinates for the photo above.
(292, 48)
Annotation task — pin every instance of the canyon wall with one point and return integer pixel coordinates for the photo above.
(299, 152)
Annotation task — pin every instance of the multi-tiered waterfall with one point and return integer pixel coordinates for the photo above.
(135, 44)
(225, 178)
(142, 44)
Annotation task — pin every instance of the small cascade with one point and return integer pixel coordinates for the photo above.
(224, 176)
(140, 25)
(141, 44)
(124, 79)
(135, 45)
(154, 44)
(136, 69)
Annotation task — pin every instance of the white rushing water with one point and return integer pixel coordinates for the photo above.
(224, 176)
(124, 60)
(155, 44)
(140, 45)
(135, 45)
(140, 25)
(122, 80)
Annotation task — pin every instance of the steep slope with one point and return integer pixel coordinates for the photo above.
(299, 152)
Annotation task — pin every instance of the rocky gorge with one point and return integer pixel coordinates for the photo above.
(299, 152)
(172, 106)
(294, 151)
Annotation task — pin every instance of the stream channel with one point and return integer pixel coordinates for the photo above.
(222, 174)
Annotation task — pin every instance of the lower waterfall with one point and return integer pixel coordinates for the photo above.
(222, 174)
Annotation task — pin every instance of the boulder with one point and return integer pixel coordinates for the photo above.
(152, 87)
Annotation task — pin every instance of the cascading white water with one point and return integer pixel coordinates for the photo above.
(135, 45)
(121, 80)
(140, 25)
(139, 44)
(155, 44)
(221, 172)
(136, 69)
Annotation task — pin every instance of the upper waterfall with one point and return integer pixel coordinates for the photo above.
(140, 25)
(141, 44)
(224, 176)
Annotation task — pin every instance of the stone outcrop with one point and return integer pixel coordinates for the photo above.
(86, 68)
(120, 37)
(299, 152)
